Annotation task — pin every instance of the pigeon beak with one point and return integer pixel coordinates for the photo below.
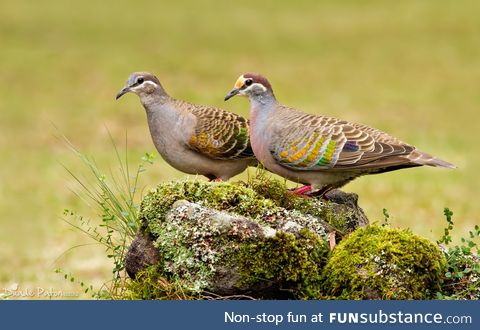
(124, 90)
(232, 93)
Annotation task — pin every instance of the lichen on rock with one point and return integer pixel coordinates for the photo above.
(382, 263)
(256, 239)
(251, 238)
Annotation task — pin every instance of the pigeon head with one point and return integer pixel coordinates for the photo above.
(140, 83)
(251, 85)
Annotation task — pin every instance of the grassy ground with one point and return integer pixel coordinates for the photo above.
(409, 67)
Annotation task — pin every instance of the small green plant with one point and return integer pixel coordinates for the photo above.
(462, 278)
(115, 197)
(386, 218)
(69, 277)
(446, 237)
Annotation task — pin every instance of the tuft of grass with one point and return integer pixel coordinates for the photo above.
(115, 196)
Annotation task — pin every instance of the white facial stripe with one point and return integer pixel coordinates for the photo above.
(257, 86)
(143, 85)
(149, 82)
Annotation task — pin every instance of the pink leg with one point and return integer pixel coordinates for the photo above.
(217, 180)
(301, 190)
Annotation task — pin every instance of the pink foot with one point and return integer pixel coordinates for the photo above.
(217, 180)
(301, 190)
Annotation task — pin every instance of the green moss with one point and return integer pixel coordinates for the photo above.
(382, 263)
(292, 263)
(320, 208)
(258, 199)
(282, 263)
(223, 196)
(190, 248)
(150, 285)
(197, 249)
(194, 245)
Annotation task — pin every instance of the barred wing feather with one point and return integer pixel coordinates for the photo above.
(220, 134)
(320, 143)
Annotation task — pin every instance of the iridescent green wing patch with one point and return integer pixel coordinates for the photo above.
(220, 134)
(307, 150)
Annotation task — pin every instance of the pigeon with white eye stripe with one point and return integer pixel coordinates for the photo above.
(321, 152)
(194, 139)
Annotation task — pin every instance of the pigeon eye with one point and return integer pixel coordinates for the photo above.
(248, 82)
(140, 80)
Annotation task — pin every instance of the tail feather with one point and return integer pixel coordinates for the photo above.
(437, 162)
(423, 158)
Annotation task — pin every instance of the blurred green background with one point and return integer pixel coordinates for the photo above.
(411, 68)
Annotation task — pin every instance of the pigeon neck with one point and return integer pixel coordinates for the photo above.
(264, 100)
(152, 101)
(261, 108)
(162, 118)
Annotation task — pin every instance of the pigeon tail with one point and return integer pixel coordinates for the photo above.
(426, 159)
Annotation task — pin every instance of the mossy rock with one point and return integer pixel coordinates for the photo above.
(382, 263)
(235, 238)
(263, 200)
(290, 264)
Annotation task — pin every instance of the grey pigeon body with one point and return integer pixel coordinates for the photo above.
(194, 139)
(321, 152)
